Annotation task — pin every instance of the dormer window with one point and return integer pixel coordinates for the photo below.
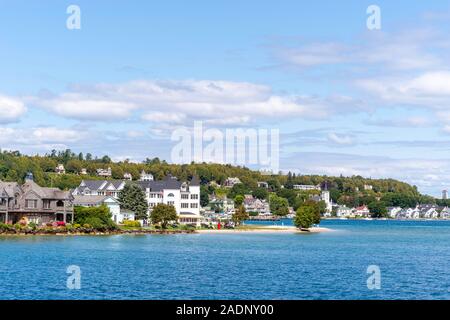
(170, 195)
(60, 203)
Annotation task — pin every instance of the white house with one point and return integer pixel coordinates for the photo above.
(60, 169)
(343, 211)
(100, 188)
(184, 196)
(230, 182)
(361, 211)
(118, 215)
(127, 176)
(104, 172)
(146, 176)
(393, 211)
(306, 187)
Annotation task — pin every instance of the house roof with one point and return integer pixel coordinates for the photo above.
(45, 193)
(90, 200)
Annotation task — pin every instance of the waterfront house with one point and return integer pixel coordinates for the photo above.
(100, 188)
(251, 204)
(83, 171)
(117, 215)
(445, 213)
(33, 203)
(362, 211)
(343, 211)
(393, 211)
(184, 196)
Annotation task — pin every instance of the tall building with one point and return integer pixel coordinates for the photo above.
(444, 194)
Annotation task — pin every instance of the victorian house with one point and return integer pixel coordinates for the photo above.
(33, 203)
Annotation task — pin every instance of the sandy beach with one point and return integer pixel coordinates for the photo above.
(265, 229)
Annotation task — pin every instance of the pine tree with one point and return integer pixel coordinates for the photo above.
(133, 198)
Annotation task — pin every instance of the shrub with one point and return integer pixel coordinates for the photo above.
(131, 223)
(32, 225)
(97, 217)
(77, 226)
(60, 224)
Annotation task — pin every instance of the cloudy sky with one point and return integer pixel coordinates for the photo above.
(347, 100)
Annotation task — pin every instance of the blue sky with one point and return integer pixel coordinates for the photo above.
(345, 99)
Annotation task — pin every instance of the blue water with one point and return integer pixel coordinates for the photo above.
(413, 257)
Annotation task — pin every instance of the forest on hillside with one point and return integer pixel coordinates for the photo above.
(350, 191)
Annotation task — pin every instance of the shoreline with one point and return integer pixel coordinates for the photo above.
(265, 229)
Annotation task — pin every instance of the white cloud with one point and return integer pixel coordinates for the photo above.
(38, 136)
(177, 102)
(11, 109)
(400, 50)
(340, 139)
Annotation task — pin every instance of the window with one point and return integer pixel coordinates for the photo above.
(184, 205)
(194, 205)
(46, 204)
(171, 195)
(184, 196)
(31, 204)
(60, 203)
(171, 203)
(194, 196)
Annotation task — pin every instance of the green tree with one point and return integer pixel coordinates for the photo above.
(239, 215)
(132, 197)
(305, 216)
(279, 206)
(377, 209)
(238, 201)
(260, 193)
(204, 197)
(163, 214)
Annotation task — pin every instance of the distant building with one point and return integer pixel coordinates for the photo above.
(104, 172)
(361, 211)
(368, 187)
(127, 176)
(60, 169)
(343, 211)
(83, 171)
(263, 184)
(146, 176)
(444, 194)
(306, 187)
(230, 182)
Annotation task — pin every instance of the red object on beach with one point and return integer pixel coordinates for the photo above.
(219, 226)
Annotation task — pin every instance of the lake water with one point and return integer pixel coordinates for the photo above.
(413, 257)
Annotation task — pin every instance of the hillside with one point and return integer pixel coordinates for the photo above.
(344, 190)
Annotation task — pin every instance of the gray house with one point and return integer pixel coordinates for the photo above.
(34, 203)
